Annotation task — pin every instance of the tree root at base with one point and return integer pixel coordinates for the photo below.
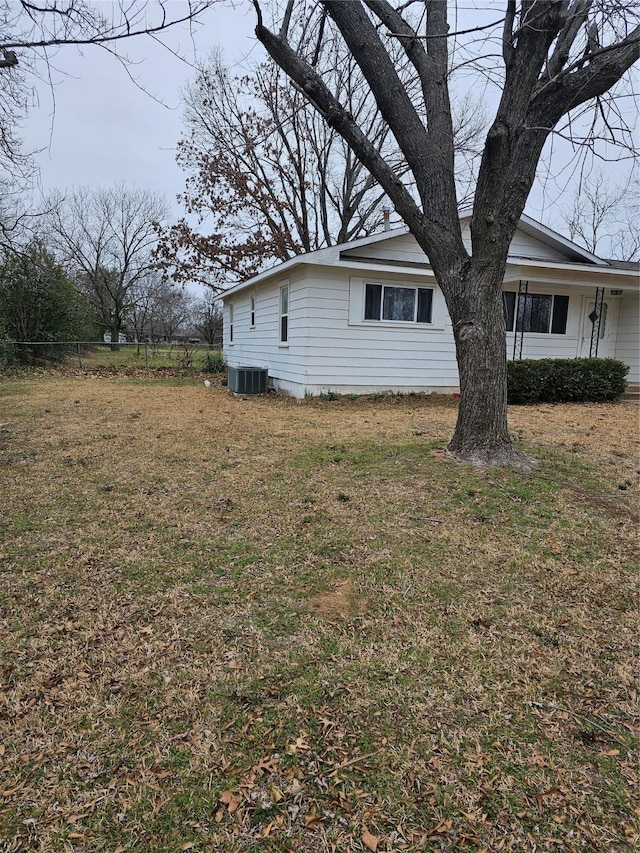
(493, 457)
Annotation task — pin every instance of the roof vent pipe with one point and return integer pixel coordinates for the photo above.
(386, 213)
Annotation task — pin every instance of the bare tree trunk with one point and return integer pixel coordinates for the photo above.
(481, 435)
(548, 76)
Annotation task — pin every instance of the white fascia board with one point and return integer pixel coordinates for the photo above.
(548, 235)
(275, 272)
(330, 256)
(385, 269)
(380, 237)
(591, 276)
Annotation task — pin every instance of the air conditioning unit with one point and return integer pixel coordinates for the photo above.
(247, 380)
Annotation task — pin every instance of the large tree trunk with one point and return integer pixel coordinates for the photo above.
(481, 435)
(115, 337)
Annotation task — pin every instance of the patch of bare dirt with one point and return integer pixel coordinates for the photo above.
(341, 602)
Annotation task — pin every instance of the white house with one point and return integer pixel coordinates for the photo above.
(368, 316)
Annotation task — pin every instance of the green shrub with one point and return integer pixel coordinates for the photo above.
(564, 380)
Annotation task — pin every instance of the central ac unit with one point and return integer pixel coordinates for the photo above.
(247, 380)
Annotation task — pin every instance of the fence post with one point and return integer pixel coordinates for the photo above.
(79, 357)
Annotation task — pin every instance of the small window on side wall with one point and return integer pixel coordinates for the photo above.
(230, 324)
(253, 310)
(284, 314)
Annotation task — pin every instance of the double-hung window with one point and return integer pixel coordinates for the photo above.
(402, 304)
(536, 312)
(284, 314)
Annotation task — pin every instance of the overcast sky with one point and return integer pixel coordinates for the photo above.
(95, 127)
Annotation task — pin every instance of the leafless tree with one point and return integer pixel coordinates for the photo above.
(605, 216)
(556, 64)
(143, 297)
(172, 312)
(105, 238)
(208, 320)
(33, 35)
(268, 178)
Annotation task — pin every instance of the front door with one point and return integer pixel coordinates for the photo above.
(607, 324)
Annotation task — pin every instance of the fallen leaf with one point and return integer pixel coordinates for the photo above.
(313, 820)
(188, 845)
(370, 841)
(231, 800)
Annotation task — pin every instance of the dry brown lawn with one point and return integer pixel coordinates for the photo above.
(260, 625)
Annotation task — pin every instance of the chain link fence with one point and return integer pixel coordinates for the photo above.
(88, 355)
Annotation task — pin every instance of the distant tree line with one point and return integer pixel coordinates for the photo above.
(91, 273)
(78, 265)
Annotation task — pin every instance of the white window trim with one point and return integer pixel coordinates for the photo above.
(252, 310)
(357, 288)
(285, 283)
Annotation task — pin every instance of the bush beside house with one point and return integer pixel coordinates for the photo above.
(565, 380)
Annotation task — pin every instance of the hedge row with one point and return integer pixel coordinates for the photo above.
(562, 380)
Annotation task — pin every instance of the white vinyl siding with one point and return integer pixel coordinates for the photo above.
(331, 347)
(404, 249)
(627, 343)
(259, 347)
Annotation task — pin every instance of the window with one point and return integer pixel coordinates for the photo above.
(253, 311)
(537, 312)
(230, 324)
(284, 314)
(405, 304)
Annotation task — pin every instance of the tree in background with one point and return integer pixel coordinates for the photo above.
(170, 314)
(144, 295)
(268, 178)
(208, 320)
(604, 217)
(105, 240)
(39, 303)
(32, 37)
(558, 62)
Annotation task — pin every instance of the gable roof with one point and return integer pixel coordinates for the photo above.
(557, 241)
(345, 253)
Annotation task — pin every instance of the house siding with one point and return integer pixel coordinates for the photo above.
(347, 355)
(627, 343)
(332, 348)
(405, 249)
(259, 346)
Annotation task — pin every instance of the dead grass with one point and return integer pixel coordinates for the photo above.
(240, 625)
